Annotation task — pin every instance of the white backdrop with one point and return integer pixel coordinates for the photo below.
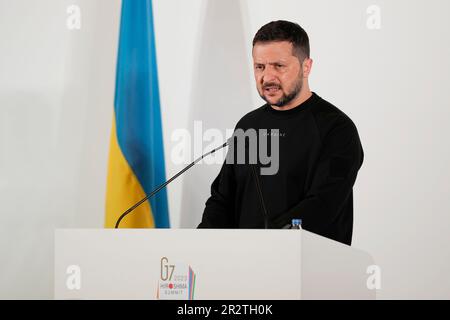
(56, 97)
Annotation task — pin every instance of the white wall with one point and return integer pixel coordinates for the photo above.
(56, 96)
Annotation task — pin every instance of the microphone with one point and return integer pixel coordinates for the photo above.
(129, 210)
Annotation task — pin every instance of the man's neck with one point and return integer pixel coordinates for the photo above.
(302, 97)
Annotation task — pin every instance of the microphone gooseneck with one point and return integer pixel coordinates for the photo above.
(261, 198)
(166, 183)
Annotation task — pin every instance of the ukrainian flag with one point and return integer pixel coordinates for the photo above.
(136, 159)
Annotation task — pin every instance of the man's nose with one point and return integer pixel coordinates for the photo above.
(269, 75)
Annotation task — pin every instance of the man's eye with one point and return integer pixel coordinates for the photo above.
(280, 65)
(259, 67)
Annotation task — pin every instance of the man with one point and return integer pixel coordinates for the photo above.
(320, 152)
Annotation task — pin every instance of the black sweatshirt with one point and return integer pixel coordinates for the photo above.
(320, 154)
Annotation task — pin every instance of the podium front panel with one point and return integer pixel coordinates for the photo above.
(177, 264)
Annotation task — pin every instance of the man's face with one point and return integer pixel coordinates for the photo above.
(278, 73)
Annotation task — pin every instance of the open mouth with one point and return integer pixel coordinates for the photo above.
(271, 90)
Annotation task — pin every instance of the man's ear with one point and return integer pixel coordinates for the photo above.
(306, 67)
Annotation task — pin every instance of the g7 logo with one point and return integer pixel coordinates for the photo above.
(166, 269)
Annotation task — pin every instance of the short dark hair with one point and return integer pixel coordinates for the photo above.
(282, 30)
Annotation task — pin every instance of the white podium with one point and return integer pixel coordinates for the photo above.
(206, 264)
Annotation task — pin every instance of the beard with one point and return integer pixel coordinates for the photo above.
(285, 98)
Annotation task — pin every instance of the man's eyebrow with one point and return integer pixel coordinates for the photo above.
(271, 63)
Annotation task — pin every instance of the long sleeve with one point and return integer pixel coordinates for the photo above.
(340, 158)
(219, 209)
